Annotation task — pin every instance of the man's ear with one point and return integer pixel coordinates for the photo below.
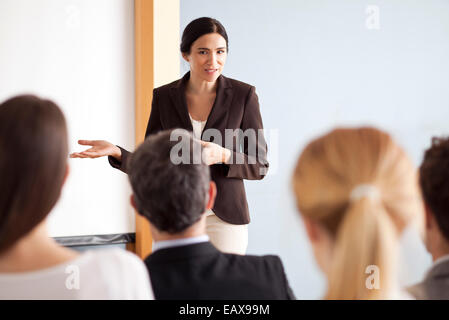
(133, 203)
(212, 194)
(153, 229)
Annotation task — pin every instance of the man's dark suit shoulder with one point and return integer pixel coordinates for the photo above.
(200, 271)
(268, 265)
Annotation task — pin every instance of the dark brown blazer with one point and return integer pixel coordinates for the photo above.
(236, 106)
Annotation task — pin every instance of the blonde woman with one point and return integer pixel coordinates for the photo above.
(357, 190)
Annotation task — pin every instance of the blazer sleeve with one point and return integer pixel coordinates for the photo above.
(252, 163)
(154, 126)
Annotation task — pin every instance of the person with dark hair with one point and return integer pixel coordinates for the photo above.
(33, 169)
(174, 197)
(211, 105)
(434, 182)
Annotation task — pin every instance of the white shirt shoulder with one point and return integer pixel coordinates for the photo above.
(123, 275)
(96, 274)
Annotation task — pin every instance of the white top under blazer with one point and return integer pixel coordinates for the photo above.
(198, 127)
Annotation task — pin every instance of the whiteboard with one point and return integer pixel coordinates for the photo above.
(81, 55)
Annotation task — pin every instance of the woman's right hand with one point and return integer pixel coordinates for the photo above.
(99, 148)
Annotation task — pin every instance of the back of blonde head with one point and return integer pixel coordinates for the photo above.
(365, 229)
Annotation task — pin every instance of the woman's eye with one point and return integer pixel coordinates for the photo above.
(220, 51)
(203, 52)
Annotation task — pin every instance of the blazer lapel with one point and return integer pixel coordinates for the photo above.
(221, 105)
(177, 95)
(219, 110)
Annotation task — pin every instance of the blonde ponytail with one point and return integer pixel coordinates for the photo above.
(361, 187)
(366, 237)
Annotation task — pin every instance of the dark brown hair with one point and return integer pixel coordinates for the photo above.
(200, 27)
(434, 181)
(33, 157)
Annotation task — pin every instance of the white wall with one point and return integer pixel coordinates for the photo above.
(80, 53)
(316, 65)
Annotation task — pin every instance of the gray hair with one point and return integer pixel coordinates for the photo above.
(171, 196)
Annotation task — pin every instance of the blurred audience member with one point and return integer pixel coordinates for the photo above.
(33, 169)
(357, 190)
(173, 190)
(434, 181)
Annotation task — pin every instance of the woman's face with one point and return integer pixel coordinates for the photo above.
(207, 57)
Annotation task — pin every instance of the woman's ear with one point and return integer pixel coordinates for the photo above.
(66, 174)
(185, 56)
(312, 229)
(321, 243)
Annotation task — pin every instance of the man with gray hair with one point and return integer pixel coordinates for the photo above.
(172, 189)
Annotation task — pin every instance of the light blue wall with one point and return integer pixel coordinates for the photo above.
(316, 65)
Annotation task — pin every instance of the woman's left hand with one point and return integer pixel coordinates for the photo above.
(214, 153)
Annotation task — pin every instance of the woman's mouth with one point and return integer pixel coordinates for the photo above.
(211, 71)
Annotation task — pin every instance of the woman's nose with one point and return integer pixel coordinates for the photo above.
(212, 58)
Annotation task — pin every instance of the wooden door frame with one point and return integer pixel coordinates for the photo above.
(155, 22)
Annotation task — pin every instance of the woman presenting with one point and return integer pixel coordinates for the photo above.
(205, 101)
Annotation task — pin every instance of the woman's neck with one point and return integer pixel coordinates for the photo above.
(33, 252)
(196, 85)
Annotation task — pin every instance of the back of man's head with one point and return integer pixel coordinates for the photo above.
(171, 195)
(434, 181)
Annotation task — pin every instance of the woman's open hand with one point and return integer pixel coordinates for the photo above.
(99, 148)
